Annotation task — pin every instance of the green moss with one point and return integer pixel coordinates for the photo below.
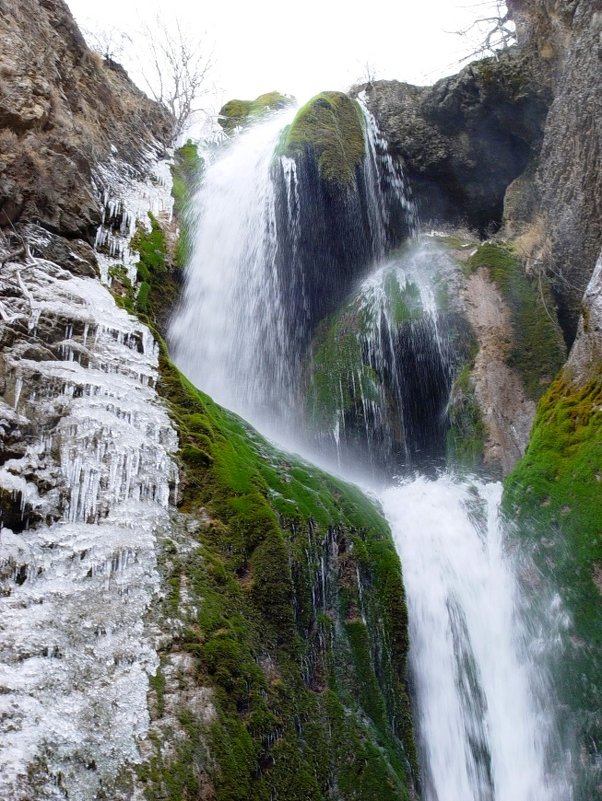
(157, 274)
(555, 495)
(239, 113)
(537, 349)
(150, 245)
(465, 438)
(186, 173)
(142, 297)
(340, 377)
(269, 515)
(332, 127)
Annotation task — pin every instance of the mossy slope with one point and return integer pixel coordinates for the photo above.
(555, 495)
(331, 128)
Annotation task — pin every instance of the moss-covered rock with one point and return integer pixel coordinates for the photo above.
(298, 624)
(465, 438)
(331, 127)
(376, 380)
(555, 495)
(239, 113)
(537, 349)
(186, 173)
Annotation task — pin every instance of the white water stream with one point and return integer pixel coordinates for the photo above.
(229, 336)
(484, 717)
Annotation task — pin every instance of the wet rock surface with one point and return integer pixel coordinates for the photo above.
(464, 139)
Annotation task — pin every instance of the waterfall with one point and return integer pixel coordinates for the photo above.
(256, 284)
(380, 372)
(480, 691)
(258, 290)
(230, 335)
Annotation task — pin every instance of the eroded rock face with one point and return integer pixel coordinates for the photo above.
(62, 111)
(507, 411)
(465, 139)
(585, 357)
(564, 40)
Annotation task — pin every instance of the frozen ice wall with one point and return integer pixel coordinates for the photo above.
(85, 481)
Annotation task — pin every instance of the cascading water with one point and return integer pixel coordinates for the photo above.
(248, 309)
(230, 335)
(485, 735)
(380, 371)
(255, 293)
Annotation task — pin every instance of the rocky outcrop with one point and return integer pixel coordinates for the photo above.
(506, 410)
(330, 127)
(565, 47)
(341, 205)
(465, 139)
(585, 358)
(63, 110)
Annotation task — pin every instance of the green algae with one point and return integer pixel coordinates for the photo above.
(248, 604)
(331, 127)
(186, 173)
(465, 438)
(554, 495)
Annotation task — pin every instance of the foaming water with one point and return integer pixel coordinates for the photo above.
(482, 699)
(229, 336)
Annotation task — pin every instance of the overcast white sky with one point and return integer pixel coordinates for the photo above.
(307, 46)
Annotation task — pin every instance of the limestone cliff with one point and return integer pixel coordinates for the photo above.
(565, 193)
(63, 110)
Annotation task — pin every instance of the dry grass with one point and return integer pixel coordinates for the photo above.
(533, 245)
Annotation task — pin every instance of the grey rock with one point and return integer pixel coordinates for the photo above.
(465, 139)
(564, 41)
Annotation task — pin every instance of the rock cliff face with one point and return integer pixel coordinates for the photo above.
(464, 139)
(565, 43)
(63, 111)
(517, 140)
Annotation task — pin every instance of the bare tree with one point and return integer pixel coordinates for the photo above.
(108, 41)
(175, 67)
(494, 30)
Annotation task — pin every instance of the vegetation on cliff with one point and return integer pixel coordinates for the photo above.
(536, 349)
(555, 496)
(331, 127)
(239, 113)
